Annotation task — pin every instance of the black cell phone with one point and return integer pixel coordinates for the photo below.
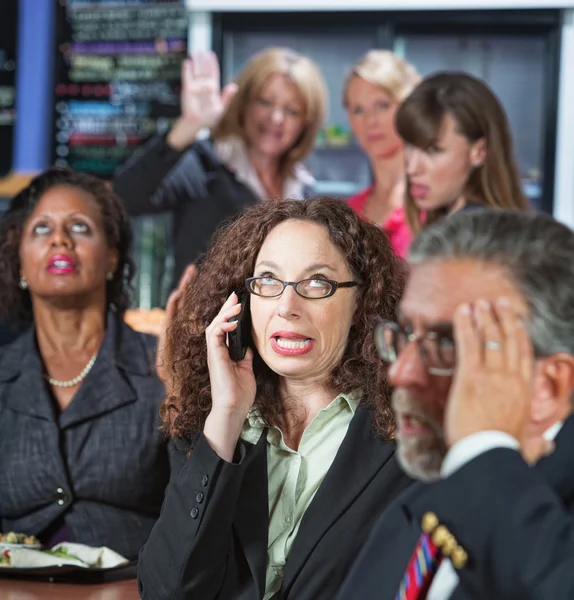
(239, 339)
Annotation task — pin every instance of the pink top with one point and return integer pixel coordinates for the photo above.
(396, 226)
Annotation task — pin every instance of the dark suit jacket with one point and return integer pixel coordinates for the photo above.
(7, 334)
(101, 464)
(193, 185)
(513, 520)
(210, 541)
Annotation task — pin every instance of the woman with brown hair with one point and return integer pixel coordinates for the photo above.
(290, 449)
(262, 126)
(459, 152)
(374, 90)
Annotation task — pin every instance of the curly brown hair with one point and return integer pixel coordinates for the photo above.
(231, 259)
(15, 304)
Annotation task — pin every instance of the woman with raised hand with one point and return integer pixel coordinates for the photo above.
(262, 126)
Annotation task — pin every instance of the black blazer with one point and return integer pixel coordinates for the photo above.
(7, 334)
(513, 520)
(193, 185)
(101, 464)
(210, 541)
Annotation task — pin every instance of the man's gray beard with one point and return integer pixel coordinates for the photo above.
(426, 467)
(420, 458)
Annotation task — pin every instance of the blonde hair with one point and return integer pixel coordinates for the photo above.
(385, 69)
(478, 115)
(308, 80)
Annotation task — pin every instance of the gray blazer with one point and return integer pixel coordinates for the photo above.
(101, 465)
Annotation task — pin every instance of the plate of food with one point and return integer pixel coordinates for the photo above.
(61, 560)
(18, 540)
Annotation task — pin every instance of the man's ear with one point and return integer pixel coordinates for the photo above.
(553, 389)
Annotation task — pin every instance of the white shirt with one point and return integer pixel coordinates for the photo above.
(460, 454)
(233, 154)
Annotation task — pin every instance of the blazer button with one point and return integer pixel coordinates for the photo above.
(194, 512)
(60, 496)
(204, 480)
(199, 497)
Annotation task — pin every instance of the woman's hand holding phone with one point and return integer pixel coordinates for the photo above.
(233, 384)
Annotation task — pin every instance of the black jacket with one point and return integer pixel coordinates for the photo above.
(101, 464)
(193, 185)
(210, 541)
(7, 334)
(514, 521)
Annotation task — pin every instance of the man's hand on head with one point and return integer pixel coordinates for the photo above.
(493, 383)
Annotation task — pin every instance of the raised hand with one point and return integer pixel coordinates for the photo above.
(203, 102)
(202, 99)
(233, 385)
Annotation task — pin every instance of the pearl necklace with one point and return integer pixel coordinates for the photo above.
(76, 380)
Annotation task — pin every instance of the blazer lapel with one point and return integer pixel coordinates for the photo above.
(106, 386)
(399, 535)
(252, 516)
(21, 365)
(404, 544)
(361, 456)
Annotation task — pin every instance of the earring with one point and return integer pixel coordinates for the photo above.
(23, 284)
(110, 276)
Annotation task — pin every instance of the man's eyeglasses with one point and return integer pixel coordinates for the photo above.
(270, 287)
(437, 351)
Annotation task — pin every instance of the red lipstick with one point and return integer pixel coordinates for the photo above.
(61, 264)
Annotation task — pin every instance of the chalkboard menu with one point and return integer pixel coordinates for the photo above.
(8, 29)
(118, 78)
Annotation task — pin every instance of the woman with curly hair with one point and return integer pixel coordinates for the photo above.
(82, 459)
(290, 452)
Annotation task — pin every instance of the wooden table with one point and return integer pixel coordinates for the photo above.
(13, 589)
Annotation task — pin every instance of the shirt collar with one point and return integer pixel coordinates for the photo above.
(232, 153)
(551, 433)
(254, 424)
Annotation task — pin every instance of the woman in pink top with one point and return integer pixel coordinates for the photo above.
(374, 90)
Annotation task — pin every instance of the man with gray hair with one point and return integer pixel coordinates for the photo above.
(483, 369)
